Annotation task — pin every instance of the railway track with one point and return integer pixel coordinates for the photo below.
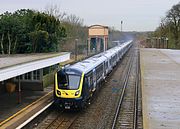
(61, 121)
(125, 117)
(128, 109)
(55, 120)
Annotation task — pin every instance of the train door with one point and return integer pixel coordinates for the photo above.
(90, 84)
(109, 64)
(86, 88)
(104, 69)
(94, 79)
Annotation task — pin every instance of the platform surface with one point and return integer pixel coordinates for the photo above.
(12, 113)
(160, 74)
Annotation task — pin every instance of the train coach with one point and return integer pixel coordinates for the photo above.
(75, 85)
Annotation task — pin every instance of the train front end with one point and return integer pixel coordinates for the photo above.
(68, 89)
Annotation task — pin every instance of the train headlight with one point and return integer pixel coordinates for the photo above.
(77, 93)
(58, 92)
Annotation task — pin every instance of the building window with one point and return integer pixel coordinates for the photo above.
(19, 77)
(36, 75)
(27, 76)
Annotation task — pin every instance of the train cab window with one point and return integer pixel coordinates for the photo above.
(62, 79)
(74, 81)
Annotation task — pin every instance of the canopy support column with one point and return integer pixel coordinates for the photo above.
(19, 90)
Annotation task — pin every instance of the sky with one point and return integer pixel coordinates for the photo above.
(137, 15)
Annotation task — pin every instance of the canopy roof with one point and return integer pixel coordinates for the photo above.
(15, 65)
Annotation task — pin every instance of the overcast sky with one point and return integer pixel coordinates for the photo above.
(137, 15)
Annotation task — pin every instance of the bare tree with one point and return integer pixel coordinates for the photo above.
(74, 20)
(55, 11)
(173, 19)
(164, 27)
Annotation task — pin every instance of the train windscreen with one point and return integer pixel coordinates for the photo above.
(68, 81)
(73, 81)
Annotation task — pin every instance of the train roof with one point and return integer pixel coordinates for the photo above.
(88, 64)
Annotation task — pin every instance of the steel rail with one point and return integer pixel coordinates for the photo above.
(34, 116)
(122, 93)
(136, 93)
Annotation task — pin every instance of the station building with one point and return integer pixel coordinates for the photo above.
(97, 38)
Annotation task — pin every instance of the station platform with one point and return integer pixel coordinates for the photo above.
(9, 103)
(10, 109)
(160, 79)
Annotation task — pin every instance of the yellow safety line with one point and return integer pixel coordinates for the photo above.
(144, 98)
(19, 112)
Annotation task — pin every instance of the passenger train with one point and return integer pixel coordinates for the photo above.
(75, 85)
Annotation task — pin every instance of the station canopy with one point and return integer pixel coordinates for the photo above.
(15, 65)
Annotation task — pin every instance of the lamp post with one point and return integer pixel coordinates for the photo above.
(167, 42)
(76, 40)
(159, 42)
(156, 42)
(162, 42)
(121, 25)
(19, 90)
(87, 47)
